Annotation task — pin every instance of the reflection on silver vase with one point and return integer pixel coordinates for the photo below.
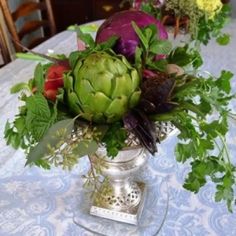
(120, 197)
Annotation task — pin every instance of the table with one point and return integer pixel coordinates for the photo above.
(39, 202)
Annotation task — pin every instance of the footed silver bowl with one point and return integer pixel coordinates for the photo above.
(120, 197)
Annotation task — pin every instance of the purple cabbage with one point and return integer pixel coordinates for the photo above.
(119, 25)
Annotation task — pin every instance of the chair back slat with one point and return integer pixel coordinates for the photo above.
(27, 8)
(31, 26)
(47, 23)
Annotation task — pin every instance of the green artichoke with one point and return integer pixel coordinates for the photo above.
(106, 86)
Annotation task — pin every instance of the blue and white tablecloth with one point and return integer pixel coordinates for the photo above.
(36, 202)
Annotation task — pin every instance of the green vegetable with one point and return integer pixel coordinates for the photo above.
(106, 87)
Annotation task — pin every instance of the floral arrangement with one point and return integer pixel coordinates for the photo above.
(123, 84)
(202, 19)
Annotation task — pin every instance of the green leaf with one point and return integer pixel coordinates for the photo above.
(190, 106)
(16, 133)
(140, 34)
(85, 147)
(151, 9)
(39, 117)
(193, 184)
(151, 33)
(73, 58)
(188, 89)
(204, 106)
(138, 57)
(19, 87)
(183, 56)
(214, 128)
(225, 192)
(148, 33)
(39, 78)
(30, 56)
(197, 60)
(86, 38)
(42, 163)
(68, 82)
(114, 139)
(223, 82)
(179, 56)
(183, 151)
(161, 47)
(158, 65)
(108, 44)
(7, 129)
(223, 39)
(51, 138)
(20, 124)
(38, 105)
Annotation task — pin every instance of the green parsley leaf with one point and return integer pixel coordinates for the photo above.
(183, 56)
(223, 39)
(183, 151)
(225, 190)
(114, 139)
(223, 82)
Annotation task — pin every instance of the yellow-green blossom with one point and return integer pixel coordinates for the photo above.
(210, 7)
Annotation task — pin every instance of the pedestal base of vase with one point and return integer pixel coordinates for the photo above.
(128, 215)
(151, 219)
(119, 197)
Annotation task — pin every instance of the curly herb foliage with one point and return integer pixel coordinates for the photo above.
(114, 139)
(212, 27)
(200, 136)
(202, 119)
(201, 115)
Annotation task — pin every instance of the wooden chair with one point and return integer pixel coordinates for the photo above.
(4, 52)
(46, 22)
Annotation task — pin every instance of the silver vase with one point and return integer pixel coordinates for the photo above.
(120, 198)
